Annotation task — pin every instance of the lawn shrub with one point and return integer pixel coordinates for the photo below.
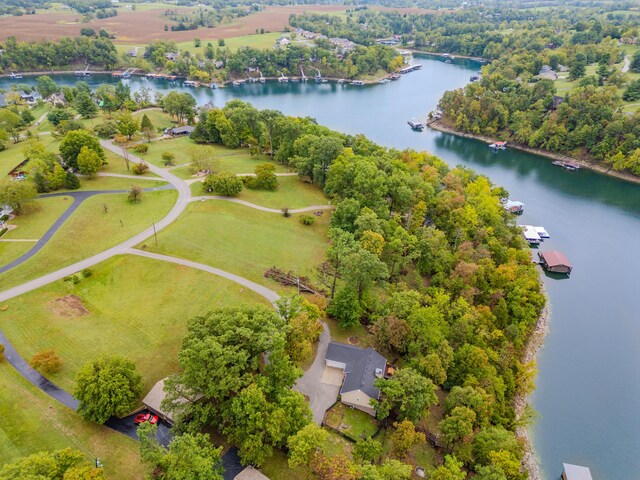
(46, 361)
(140, 168)
(307, 220)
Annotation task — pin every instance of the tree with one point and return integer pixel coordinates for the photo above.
(107, 386)
(632, 92)
(634, 66)
(89, 162)
(305, 443)
(46, 362)
(367, 450)
(391, 469)
(27, 117)
(72, 144)
(362, 269)
(64, 464)
(333, 468)
(407, 393)
(265, 178)
(46, 86)
(188, 456)
(16, 194)
(578, 67)
(167, 158)
(494, 439)
(85, 105)
(451, 470)
(58, 115)
(146, 127)
(345, 307)
(10, 123)
(223, 183)
(405, 437)
(457, 425)
(135, 193)
(127, 124)
(71, 182)
(179, 105)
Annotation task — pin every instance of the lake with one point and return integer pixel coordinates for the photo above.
(587, 386)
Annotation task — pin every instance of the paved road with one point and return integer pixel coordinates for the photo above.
(321, 395)
(259, 289)
(183, 200)
(78, 198)
(259, 207)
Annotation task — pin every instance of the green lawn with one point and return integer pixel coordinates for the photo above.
(259, 41)
(90, 231)
(38, 217)
(351, 422)
(137, 307)
(244, 241)
(159, 119)
(32, 422)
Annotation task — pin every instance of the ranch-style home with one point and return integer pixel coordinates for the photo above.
(361, 367)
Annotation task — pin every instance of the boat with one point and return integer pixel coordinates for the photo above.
(498, 146)
(513, 206)
(394, 76)
(542, 232)
(357, 83)
(214, 85)
(294, 79)
(236, 83)
(341, 81)
(15, 76)
(190, 83)
(82, 73)
(283, 79)
(242, 81)
(416, 125)
(567, 165)
(262, 80)
(384, 80)
(447, 61)
(530, 235)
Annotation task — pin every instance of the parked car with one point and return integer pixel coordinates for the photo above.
(146, 417)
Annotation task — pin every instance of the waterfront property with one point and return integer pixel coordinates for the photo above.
(530, 235)
(575, 472)
(513, 206)
(555, 262)
(361, 367)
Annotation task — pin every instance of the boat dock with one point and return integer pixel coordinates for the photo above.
(513, 206)
(530, 235)
(410, 68)
(498, 146)
(555, 262)
(567, 165)
(416, 125)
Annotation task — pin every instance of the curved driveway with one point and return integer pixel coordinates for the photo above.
(184, 193)
(78, 198)
(259, 207)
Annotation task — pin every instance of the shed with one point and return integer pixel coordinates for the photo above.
(361, 367)
(513, 206)
(575, 472)
(556, 262)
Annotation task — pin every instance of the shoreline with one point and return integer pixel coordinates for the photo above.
(442, 127)
(536, 340)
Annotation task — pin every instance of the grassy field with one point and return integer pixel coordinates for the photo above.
(259, 41)
(159, 119)
(244, 241)
(291, 193)
(90, 230)
(358, 424)
(32, 421)
(133, 306)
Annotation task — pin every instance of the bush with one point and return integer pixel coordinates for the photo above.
(285, 212)
(87, 272)
(265, 178)
(71, 182)
(57, 116)
(140, 168)
(307, 220)
(4, 217)
(135, 193)
(3, 231)
(106, 130)
(1, 353)
(46, 362)
(167, 158)
(141, 148)
(223, 183)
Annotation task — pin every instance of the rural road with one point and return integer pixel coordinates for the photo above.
(78, 199)
(183, 200)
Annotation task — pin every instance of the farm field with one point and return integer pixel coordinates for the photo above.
(102, 221)
(127, 306)
(243, 240)
(142, 26)
(37, 422)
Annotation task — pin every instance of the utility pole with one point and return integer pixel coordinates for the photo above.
(155, 234)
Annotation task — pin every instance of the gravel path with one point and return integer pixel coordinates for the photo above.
(259, 207)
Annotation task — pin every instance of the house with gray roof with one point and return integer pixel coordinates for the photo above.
(361, 367)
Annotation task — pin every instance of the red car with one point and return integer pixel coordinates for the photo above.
(146, 417)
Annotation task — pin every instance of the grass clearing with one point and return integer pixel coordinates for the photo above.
(133, 306)
(38, 217)
(32, 422)
(244, 241)
(351, 422)
(259, 41)
(90, 231)
(159, 119)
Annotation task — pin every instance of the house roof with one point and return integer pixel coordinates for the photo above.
(154, 399)
(185, 129)
(361, 365)
(555, 258)
(251, 473)
(576, 472)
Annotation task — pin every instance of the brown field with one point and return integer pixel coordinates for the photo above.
(141, 27)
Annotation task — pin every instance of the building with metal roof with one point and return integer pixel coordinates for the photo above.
(575, 472)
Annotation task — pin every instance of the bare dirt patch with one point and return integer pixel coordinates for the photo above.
(69, 306)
